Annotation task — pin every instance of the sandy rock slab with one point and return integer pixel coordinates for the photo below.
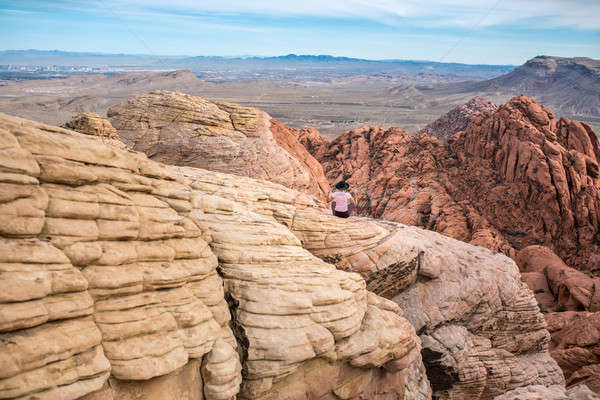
(554, 392)
(149, 269)
(480, 326)
(56, 360)
(291, 309)
(481, 329)
(102, 273)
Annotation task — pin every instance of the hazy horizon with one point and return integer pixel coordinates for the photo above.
(253, 56)
(501, 32)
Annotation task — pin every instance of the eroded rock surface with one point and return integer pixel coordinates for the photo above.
(575, 338)
(290, 307)
(92, 124)
(516, 177)
(555, 392)
(547, 182)
(411, 180)
(517, 181)
(556, 285)
(287, 139)
(481, 329)
(459, 118)
(570, 300)
(102, 269)
(181, 129)
(95, 125)
(234, 286)
(109, 262)
(312, 140)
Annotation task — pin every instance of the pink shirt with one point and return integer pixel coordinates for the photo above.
(341, 200)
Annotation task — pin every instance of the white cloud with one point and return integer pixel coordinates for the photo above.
(582, 14)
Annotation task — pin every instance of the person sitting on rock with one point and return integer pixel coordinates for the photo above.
(341, 204)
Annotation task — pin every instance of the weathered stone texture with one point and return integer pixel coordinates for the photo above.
(554, 392)
(459, 118)
(120, 277)
(100, 274)
(517, 176)
(481, 328)
(134, 277)
(180, 129)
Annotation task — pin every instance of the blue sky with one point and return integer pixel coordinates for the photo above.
(469, 31)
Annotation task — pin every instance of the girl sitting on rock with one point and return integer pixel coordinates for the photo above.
(341, 201)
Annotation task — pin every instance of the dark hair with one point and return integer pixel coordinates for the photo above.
(342, 185)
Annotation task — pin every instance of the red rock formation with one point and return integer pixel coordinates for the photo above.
(575, 338)
(515, 178)
(575, 324)
(535, 178)
(459, 118)
(286, 137)
(407, 179)
(570, 290)
(312, 140)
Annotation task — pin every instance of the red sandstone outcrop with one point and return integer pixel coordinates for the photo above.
(410, 180)
(185, 130)
(555, 284)
(515, 178)
(575, 328)
(575, 338)
(286, 138)
(535, 178)
(312, 140)
(459, 118)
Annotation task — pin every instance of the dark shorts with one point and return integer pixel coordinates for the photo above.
(342, 214)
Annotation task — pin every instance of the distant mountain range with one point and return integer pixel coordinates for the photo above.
(288, 67)
(569, 86)
(333, 94)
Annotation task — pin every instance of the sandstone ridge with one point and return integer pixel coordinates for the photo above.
(95, 125)
(109, 273)
(181, 129)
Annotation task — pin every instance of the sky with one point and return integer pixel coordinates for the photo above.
(465, 31)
